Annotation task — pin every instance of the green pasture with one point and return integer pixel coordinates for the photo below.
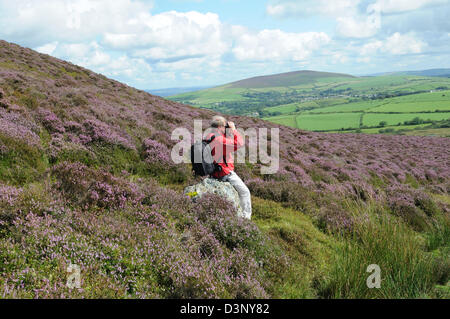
(287, 120)
(325, 122)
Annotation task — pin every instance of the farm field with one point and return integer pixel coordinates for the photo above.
(428, 107)
(287, 120)
(325, 122)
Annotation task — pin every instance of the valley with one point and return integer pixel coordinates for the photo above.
(327, 102)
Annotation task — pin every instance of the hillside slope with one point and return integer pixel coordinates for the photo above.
(86, 179)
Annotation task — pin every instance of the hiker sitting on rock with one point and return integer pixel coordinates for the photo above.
(226, 141)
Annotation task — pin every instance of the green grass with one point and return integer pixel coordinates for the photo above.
(329, 265)
(407, 271)
(211, 96)
(307, 248)
(350, 107)
(22, 163)
(424, 102)
(287, 120)
(324, 122)
(284, 109)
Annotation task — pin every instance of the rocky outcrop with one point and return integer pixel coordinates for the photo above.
(211, 185)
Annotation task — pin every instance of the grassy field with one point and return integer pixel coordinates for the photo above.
(324, 122)
(287, 120)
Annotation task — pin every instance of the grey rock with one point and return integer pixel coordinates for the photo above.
(211, 185)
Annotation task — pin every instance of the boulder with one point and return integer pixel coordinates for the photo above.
(211, 185)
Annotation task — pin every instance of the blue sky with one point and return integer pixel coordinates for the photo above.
(182, 43)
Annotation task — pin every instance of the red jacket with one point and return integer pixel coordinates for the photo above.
(225, 145)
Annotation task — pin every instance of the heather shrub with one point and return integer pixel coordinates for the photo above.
(156, 153)
(157, 158)
(413, 206)
(335, 219)
(174, 204)
(100, 132)
(9, 196)
(39, 199)
(244, 272)
(423, 201)
(87, 187)
(50, 121)
(219, 215)
(17, 127)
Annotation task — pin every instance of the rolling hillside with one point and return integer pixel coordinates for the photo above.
(86, 178)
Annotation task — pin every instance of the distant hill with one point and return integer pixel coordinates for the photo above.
(430, 72)
(174, 91)
(286, 79)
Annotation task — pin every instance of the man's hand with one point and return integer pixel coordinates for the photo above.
(231, 125)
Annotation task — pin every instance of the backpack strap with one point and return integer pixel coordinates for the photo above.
(209, 142)
(211, 139)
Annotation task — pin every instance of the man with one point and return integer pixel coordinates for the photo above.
(226, 141)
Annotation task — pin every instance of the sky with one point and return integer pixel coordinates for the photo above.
(154, 44)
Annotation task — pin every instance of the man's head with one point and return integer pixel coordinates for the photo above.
(218, 122)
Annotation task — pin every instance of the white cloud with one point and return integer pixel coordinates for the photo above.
(358, 27)
(278, 45)
(67, 20)
(403, 44)
(350, 22)
(335, 8)
(47, 48)
(172, 35)
(396, 6)
(353, 18)
(396, 44)
(371, 48)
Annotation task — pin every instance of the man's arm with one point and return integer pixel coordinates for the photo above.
(235, 142)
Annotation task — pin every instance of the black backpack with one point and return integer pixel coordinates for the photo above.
(202, 150)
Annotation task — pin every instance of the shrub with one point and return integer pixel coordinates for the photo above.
(219, 215)
(156, 153)
(87, 187)
(50, 121)
(413, 206)
(335, 219)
